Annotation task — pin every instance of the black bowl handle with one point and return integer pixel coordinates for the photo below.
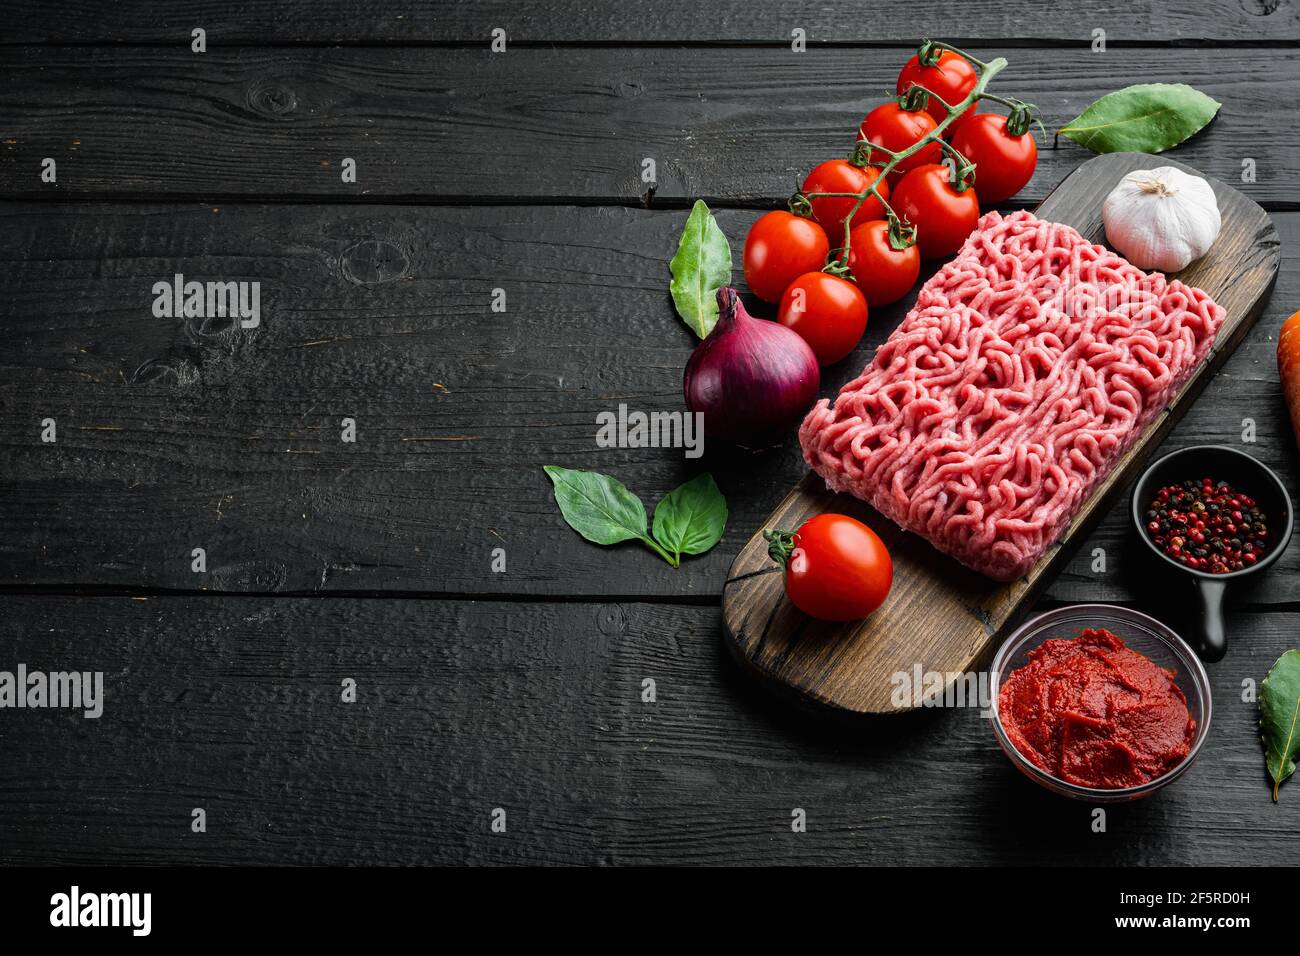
(1209, 636)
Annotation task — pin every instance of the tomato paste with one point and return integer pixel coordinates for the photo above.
(1094, 712)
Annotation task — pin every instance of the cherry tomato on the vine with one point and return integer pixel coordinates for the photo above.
(828, 312)
(894, 128)
(841, 176)
(951, 78)
(781, 247)
(1003, 163)
(943, 215)
(884, 274)
(836, 568)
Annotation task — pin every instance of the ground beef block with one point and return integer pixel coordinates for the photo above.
(1029, 364)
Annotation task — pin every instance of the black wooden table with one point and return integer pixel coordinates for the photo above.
(372, 561)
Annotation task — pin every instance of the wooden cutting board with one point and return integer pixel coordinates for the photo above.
(939, 614)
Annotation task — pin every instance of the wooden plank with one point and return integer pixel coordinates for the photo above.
(233, 705)
(946, 616)
(551, 124)
(172, 437)
(569, 21)
(176, 434)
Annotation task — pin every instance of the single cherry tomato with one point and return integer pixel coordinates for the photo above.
(894, 128)
(1003, 163)
(836, 568)
(830, 314)
(951, 78)
(781, 247)
(884, 274)
(943, 214)
(841, 176)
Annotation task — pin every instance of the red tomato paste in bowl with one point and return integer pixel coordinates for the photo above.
(1093, 712)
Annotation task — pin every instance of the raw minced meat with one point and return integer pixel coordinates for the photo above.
(1030, 363)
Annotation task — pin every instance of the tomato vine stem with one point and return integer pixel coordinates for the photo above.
(863, 151)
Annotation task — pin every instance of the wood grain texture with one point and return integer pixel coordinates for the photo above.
(568, 21)
(233, 705)
(175, 436)
(942, 616)
(557, 125)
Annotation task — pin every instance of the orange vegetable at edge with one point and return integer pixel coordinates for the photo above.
(1288, 367)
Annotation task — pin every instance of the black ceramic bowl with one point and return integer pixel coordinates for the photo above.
(1246, 475)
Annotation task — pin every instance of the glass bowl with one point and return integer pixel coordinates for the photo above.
(1143, 634)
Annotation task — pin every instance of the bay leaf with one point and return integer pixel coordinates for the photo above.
(1146, 118)
(1279, 717)
(700, 268)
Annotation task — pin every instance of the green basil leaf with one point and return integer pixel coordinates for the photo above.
(700, 268)
(597, 506)
(1279, 717)
(1147, 118)
(691, 518)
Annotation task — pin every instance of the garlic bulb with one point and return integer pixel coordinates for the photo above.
(1161, 218)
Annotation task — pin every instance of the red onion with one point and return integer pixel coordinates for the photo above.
(752, 379)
